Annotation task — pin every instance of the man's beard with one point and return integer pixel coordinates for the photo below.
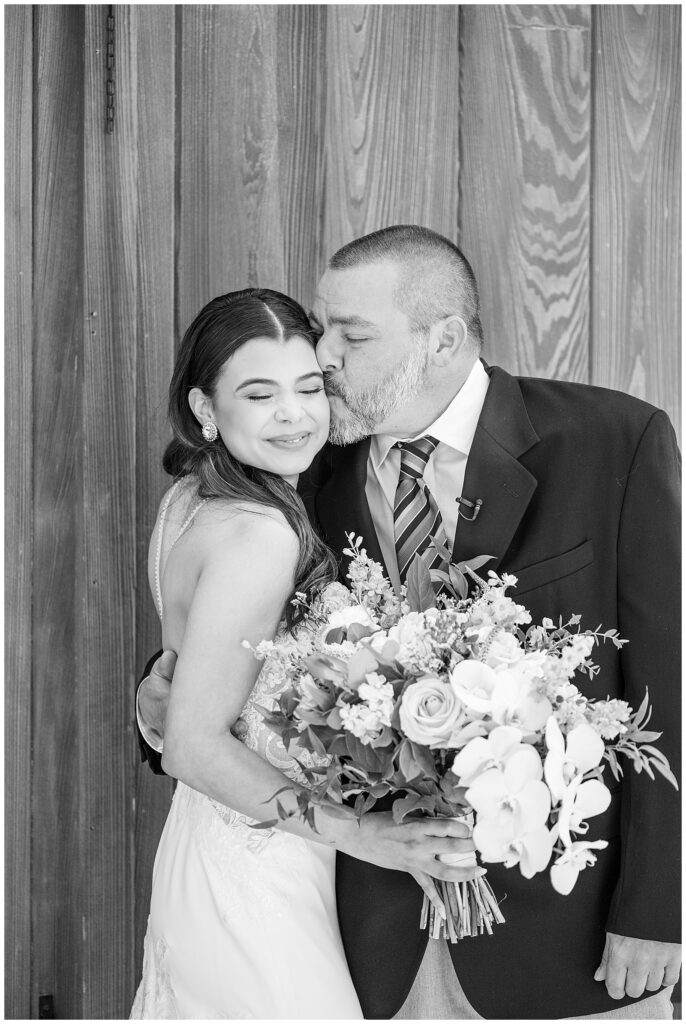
(367, 407)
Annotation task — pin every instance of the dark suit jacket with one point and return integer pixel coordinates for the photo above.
(580, 490)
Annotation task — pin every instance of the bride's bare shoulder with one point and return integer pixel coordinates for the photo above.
(235, 528)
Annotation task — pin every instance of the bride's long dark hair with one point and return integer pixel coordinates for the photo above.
(218, 331)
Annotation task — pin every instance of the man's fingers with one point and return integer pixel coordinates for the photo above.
(635, 984)
(655, 979)
(615, 980)
(671, 974)
(164, 666)
(601, 969)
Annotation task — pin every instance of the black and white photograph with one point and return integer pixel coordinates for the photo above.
(343, 543)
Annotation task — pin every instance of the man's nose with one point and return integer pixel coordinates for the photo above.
(329, 353)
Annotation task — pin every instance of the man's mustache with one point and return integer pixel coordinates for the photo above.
(332, 386)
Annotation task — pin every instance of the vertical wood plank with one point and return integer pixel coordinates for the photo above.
(58, 854)
(524, 219)
(301, 69)
(229, 225)
(155, 71)
(106, 585)
(18, 501)
(392, 119)
(637, 202)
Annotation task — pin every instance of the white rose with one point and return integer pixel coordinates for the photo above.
(345, 617)
(430, 712)
(334, 597)
(502, 649)
(410, 635)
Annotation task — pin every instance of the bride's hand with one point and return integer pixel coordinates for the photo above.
(414, 846)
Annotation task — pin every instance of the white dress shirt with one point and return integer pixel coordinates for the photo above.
(444, 475)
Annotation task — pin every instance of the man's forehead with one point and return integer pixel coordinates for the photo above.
(355, 293)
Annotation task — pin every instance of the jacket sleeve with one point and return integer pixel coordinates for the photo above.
(153, 758)
(646, 902)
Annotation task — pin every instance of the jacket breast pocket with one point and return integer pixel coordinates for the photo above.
(556, 568)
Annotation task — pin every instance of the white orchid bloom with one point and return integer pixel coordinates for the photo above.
(482, 753)
(473, 682)
(565, 870)
(515, 701)
(512, 808)
(515, 794)
(511, 846)
(583, 751)
(581, 800)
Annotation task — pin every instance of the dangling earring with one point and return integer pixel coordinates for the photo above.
(209, 431)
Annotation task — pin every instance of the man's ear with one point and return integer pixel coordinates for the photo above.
(450, 339)
(201, 405)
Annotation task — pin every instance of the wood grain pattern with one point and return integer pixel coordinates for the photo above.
(637, 208)
(18, 507)
(525, 219)
(301, 113)
(154, 350)
(58, 855)
(392, 120)
(106, 584)
(229, 228)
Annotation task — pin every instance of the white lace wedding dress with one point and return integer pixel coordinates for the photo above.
(242, 922)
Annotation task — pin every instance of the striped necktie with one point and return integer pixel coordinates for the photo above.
(416, 517)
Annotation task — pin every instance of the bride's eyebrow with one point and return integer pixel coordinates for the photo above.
(275, 383)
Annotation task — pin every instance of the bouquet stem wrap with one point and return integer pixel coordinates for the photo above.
(470, 907)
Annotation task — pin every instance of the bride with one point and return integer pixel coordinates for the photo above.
(243, 921)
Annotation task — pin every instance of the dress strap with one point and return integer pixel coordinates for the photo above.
(160, 536)
(158, 550)
(188, 520)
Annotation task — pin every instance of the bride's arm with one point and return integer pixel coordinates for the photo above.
(243, 585)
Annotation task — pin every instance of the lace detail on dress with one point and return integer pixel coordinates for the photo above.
(155, 996)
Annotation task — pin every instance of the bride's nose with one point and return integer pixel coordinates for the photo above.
(289, 409)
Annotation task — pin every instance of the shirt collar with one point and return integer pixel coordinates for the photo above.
(455, 427)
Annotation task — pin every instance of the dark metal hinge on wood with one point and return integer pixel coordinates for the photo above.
(109, 86)
(46, 1008)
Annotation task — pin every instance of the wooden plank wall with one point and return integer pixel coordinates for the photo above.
(249, 143)
(19, 408)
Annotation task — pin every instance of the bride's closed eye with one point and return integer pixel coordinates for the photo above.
(264, 398)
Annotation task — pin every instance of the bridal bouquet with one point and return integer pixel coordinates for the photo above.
(456, 706)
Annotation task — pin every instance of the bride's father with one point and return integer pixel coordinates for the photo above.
(574, 489)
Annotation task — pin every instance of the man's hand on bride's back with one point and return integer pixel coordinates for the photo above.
(414, 846)
(153, 694)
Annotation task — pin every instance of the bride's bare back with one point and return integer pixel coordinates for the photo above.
(187, 531)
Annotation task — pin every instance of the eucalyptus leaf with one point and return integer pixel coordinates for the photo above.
(409, 804)
(420, 591)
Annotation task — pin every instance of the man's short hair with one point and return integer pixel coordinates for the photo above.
(435, 278)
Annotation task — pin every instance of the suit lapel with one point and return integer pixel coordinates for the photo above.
(495, 475)
(341, 504)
